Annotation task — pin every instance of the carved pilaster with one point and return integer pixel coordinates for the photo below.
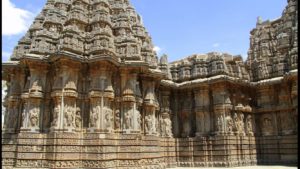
(150, 105)
(131, 100)
(175, 114)
(165, 114)
(13, 101)
(64, 94)
(12, 116)
(202, 110)
(185, 114)
(221, 107)
(101, 95)
(32, 113)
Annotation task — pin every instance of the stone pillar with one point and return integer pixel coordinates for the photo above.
(221, 105)
(32, 113)
(175, 113)
(11, 116)
(150, 106)
(64, 94)
(101, 95)
(202, 110)
(263, 99)
(294, 96)
(165, 121)
(186, 111)
(131, 116)
(13, 102)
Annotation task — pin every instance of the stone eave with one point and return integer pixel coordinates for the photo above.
(210, 80)
(6, 66)
(275, 80)
(10, 64)
(154, 73)
(220, 78)
(270, 108)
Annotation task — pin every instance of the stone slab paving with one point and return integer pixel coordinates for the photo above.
(244, 167)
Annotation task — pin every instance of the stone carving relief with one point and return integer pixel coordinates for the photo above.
(220, 124)
(132, 117)
(249, 126)
(78, 119)
(117, 120)
(229, 124)
(236, 123)
(166, 126)
(34, 117)
(241, 124)
(287, 124)
(24, 114)
(94, 115)
(267, 124)
(69, 117)
(197, 98)
(150, 120)
(127, 121)
(108, 119)
(56, 113)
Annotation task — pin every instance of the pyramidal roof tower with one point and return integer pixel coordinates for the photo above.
(87, 30)
(86, 90)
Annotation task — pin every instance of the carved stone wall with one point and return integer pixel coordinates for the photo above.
(86, 90)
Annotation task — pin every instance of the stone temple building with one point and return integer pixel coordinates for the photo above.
(86, 90)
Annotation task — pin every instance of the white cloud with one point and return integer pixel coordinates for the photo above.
(5, 56)
(215, 45)
(15, 20)
(157, 49)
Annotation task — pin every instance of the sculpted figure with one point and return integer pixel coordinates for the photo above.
(55, 117)
(23, 116)
(168, 127)
(162, 132)
(249, 128)
(108, 119)
(117, 120)
(127, 121)
(78, 118)
(69, 117)
(93, 117)
(241, 121)
(236, 122)
(222, 123)
(164, 59)
(148, 121)
(33, 116)
(138, 118)
(36, 85)
(219, 124)
(267, 125)
(229, 122)
(122, 32)
(156, 125)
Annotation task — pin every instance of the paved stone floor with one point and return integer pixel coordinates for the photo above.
(245, 167)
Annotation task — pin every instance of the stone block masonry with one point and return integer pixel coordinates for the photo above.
(86, 90)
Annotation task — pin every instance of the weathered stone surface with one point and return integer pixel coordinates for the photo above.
(86, 90)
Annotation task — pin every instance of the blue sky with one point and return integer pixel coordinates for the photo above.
(178, 28)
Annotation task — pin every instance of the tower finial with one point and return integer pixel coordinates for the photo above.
(259, 20)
